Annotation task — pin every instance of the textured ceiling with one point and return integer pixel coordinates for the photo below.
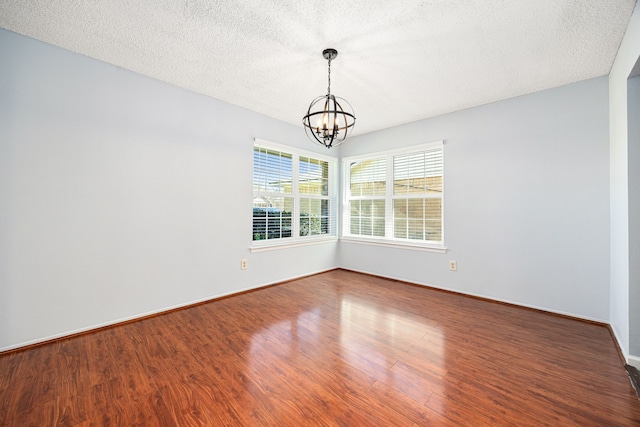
(398, 61)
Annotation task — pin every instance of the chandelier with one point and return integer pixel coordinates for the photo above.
(327, 121)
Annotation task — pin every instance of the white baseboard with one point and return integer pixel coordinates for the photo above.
(634, 361)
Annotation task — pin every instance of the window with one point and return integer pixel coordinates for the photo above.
(396, 196)
(293, 194)
(272, 194)
(367, 203)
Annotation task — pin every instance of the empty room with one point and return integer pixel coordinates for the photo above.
(319, 213)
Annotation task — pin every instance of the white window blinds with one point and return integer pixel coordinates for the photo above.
(367, 192)
(417, 198)
(396, 195)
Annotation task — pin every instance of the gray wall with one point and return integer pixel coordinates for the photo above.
(633, 115)
(122, 196)
(526, 202)
(620, 319)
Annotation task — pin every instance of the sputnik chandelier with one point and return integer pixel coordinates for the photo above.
(327, 121)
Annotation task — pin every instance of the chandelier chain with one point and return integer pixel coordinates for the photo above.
(329, 79)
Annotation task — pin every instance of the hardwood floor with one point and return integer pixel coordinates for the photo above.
(335, 349)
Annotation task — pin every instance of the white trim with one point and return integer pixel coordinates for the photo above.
(291, 244)
(634, 361)
(625, 355)
(395, 244)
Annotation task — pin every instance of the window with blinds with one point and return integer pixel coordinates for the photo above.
(313, 181)
(272, 194)
(367, 190)
(417, 195)
(293, 194)
(396, 195)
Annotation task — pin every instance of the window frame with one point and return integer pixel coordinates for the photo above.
(388, 239)
(332, 197)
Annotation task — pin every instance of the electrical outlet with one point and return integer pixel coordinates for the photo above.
(453, 265)
(243, 264)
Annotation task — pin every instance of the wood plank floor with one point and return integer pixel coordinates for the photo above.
(335, 349)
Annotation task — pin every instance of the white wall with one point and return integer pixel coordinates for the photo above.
(526, 202)
(122, 196)
(626, 58)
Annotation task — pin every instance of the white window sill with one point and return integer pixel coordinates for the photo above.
(270, 246)
(396, 244)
